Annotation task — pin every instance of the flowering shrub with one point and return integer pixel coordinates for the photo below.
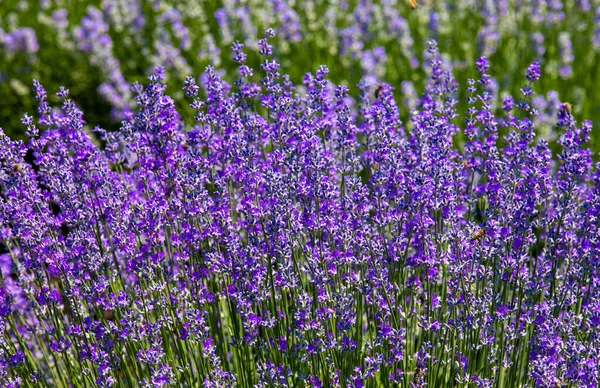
(98, 49)
(292, 239)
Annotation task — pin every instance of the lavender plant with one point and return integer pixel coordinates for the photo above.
(98, 49)
(289, 238)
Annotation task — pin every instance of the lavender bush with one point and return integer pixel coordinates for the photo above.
(289, 238)
(99, 48)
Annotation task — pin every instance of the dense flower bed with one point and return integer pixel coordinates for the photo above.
(99, 48)
(294, 239)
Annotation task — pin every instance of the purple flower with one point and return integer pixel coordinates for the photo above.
(533, 72)
(21, 40)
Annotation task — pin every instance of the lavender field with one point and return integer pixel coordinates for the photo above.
(279, 194)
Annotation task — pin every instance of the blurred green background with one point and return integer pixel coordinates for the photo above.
(98, 48)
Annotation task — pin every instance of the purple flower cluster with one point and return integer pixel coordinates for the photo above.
(92, 37)
(289, 238)
(22, 40)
